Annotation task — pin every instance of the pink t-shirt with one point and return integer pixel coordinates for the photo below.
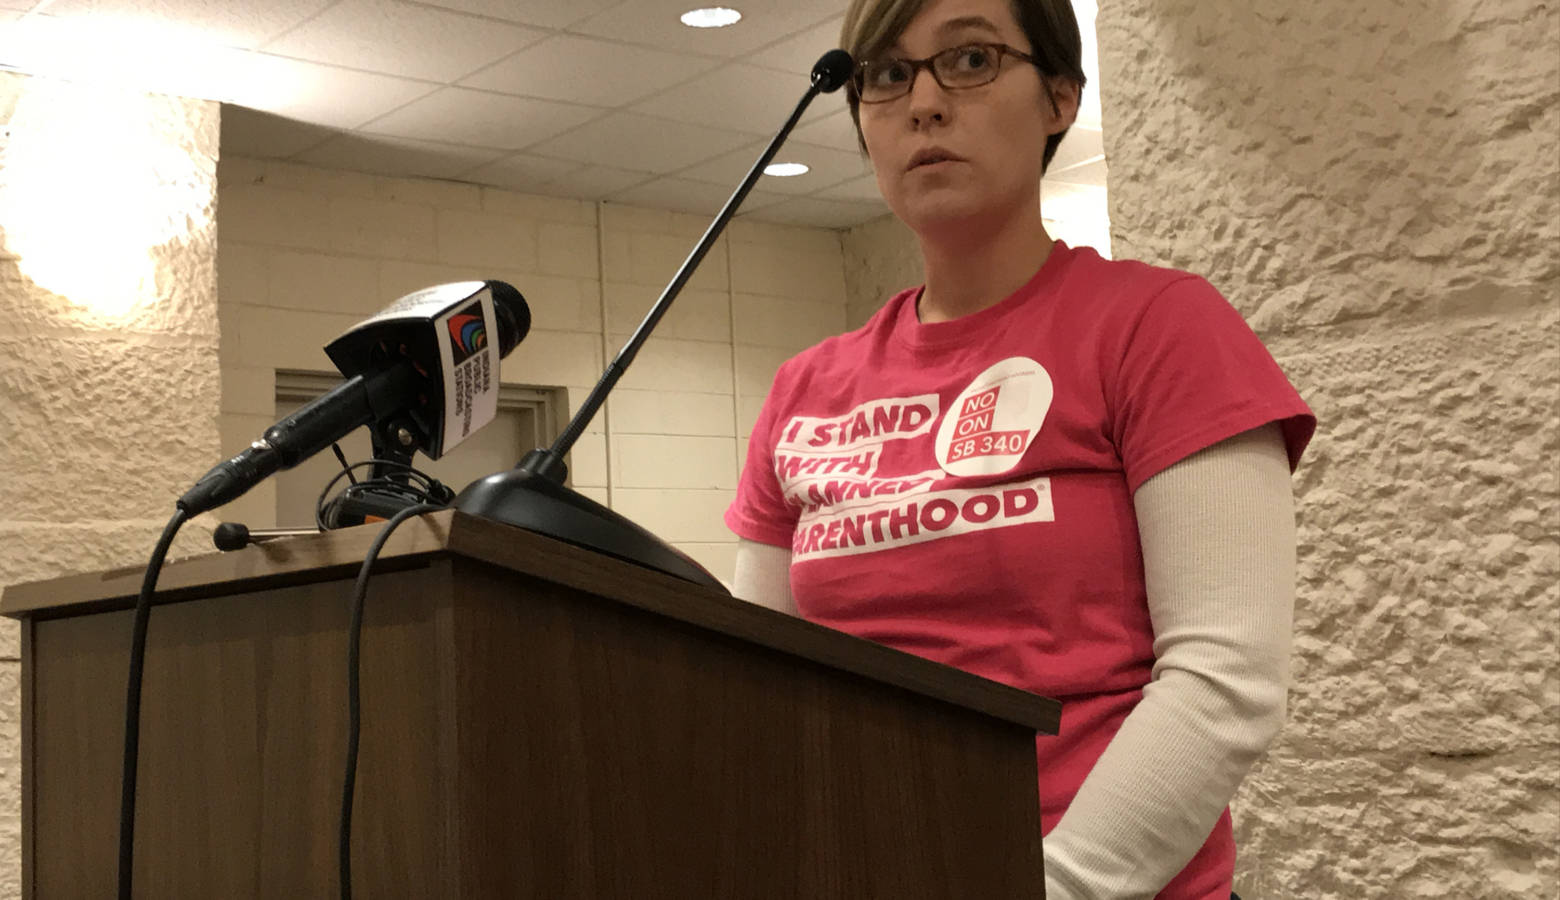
(963, 490)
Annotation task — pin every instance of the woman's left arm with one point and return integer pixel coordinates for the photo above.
(1218, 538)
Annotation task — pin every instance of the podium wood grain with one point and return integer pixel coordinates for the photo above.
(538, 722)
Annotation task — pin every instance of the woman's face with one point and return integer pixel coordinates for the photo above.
(960, 159)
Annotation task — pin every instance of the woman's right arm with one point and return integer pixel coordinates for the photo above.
(764, 575)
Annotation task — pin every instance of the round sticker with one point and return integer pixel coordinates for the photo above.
(991, 424)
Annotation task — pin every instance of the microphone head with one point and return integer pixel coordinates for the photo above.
(832, 70)
(514, 316)
(230, 536)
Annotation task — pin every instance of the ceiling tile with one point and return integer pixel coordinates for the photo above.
(864, 188)
(744, 98)
(800, 52)
(1063, 202)
(690, 196)
(820, 213)
(522, 171)
(628, 141)
(396, 156)
(249, 132)
(589, 71)
(826, 167)
(1081, 145)
(655, 23)
(704, 100)
(835, 130)
(245, 25)
(169, 58)
(413, 41)
(594, 182)
(1091, 174)
(463, 116)
(322, 95)
(541, 13)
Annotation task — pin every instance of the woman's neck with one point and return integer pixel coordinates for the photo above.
(970, 270)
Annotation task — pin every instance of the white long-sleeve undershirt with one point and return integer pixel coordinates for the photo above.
(1218, 538)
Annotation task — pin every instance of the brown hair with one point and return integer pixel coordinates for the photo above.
(872, 25)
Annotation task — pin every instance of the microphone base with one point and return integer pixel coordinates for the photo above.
(535, 503)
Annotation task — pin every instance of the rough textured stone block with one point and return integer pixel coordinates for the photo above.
(1335, 160)
(107, 415)
(36, 551)
(1423, 714)
(105, 427)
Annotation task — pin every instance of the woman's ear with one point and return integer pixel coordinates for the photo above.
(1065, 93)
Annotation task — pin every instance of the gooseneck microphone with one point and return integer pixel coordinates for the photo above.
(832, 71)
(398, 363)
(829, 73)
(532, 495)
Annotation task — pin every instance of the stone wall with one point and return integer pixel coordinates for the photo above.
(1375, 186)
(109, 387)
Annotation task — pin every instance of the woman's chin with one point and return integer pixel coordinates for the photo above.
(943, 213)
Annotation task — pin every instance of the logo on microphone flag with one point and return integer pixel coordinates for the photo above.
(471, 365)
(468, 332)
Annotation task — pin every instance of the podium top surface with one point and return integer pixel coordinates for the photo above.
(338, 554)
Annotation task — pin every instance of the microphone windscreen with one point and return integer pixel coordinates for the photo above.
(832, 70)
(514, 316)
(230, 536)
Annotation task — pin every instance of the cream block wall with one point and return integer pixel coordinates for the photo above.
(306, 253)
(881, 259)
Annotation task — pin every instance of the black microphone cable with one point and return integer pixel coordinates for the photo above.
(354, 708)
(417, 487)
(143, 609)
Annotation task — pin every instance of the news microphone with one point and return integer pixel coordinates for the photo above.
(424, 366)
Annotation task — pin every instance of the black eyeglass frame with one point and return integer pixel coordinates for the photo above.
(858, 77)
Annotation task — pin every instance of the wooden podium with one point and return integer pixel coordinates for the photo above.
(538, 722)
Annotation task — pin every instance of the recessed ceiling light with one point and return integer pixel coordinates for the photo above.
(711, 17)
(785, 170)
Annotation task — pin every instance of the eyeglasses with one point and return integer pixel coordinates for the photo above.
(972, 65)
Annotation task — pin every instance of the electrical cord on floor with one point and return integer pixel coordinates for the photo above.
(143, 609)
(354, 709)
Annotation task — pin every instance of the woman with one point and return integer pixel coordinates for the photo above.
(1059, 472)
